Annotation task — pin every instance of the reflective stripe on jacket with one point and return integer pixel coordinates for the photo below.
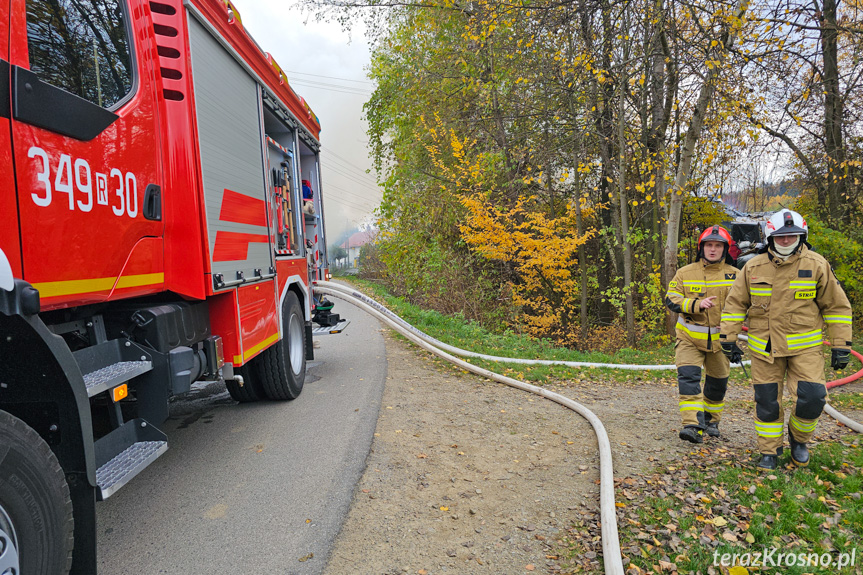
(690, 285)
(787, 303)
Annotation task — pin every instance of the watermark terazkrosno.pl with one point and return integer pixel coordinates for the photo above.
(775, 557)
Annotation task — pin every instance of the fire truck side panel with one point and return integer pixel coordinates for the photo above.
(8, 203)
(81, 201)
(187, 259)
(259, 319)
(225, 321)
(227, 104)
(292, 273)
(140, 275)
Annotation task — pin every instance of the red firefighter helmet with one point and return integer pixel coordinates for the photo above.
(716, 234)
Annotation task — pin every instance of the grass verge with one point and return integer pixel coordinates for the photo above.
(713, 512)
(456, 331)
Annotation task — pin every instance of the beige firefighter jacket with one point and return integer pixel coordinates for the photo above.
(787, 302)
(690, 285)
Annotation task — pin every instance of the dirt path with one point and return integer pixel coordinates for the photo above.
(469, 476)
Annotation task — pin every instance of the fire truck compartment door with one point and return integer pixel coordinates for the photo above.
(81, 180)
(229, 115)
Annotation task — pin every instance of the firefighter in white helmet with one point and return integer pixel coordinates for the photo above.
(788, 292)
(697, 294)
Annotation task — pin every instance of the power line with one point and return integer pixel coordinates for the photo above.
(350, 177)
(348, 165)
(359, 197)
(328, 77)
(353, 172)
(331, 87)
(350, 205)
(330, 152)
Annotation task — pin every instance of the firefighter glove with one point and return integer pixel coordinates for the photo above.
(839, 358)
(733, 352)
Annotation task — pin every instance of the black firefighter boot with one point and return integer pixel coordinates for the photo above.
(692, 434)
(799, 451)
(768, 461)
(771, 461)
(713, 428)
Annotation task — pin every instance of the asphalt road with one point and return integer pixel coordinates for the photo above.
(259, 488)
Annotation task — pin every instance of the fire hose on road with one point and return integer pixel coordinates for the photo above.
(610, 541)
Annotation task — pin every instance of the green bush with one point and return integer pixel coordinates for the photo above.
(845, 254)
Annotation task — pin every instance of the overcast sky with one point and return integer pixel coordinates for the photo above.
(327, 67)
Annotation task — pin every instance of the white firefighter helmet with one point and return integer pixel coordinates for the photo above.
(786, 222)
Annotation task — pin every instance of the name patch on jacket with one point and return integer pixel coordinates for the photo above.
(809, 294)
(804, 273)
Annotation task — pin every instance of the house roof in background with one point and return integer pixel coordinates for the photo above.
(358, 240)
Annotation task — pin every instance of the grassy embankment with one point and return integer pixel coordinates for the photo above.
(466, 335)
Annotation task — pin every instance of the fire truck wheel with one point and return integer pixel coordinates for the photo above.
(282, 367)
(36, 525)
(250, 390)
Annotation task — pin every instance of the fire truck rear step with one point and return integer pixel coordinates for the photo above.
(124, 453)
(115, 374)
(338, 328)
(111, 363)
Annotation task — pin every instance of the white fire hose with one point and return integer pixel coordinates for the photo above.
(464, 353)
(608, 515)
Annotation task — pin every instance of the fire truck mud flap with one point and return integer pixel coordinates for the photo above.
(42, 386)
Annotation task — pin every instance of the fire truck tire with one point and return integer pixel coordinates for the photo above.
(250, 390)
(36, 524)
(282, 367)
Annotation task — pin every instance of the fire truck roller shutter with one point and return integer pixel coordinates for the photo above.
(228, 108)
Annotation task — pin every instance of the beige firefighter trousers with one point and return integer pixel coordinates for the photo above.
(802, 375)
(697, 408)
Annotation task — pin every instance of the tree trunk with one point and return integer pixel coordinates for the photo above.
(602, 100)
(582, 261)
(621, 191)
(833, 112)
(693, 133)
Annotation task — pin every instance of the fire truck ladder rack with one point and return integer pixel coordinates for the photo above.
(132, 445)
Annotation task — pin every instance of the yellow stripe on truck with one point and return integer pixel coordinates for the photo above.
(256, 348)
(78, 287)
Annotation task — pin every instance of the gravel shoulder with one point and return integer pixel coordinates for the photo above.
(470, 476)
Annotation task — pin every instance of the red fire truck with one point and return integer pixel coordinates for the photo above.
(152, 234)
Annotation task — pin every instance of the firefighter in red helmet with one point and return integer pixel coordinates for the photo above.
(697, 293)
